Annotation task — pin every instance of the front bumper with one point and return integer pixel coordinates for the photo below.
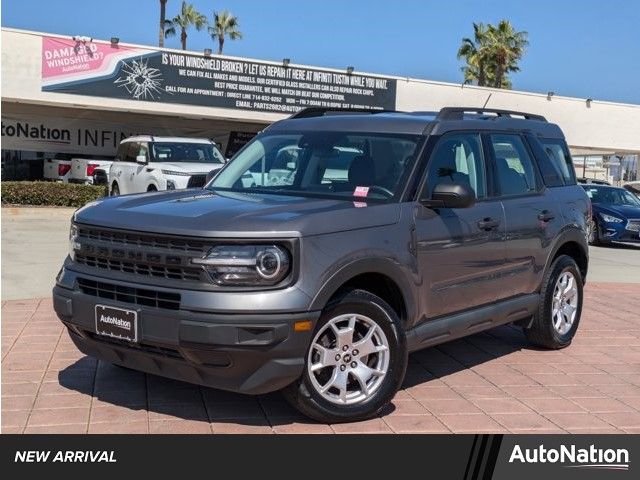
(251, 353)
(618, 232)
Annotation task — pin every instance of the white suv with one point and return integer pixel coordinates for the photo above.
(149, 163)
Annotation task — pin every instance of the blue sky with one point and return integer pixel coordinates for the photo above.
(585, 48)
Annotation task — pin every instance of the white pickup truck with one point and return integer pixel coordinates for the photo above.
(150, 163)
(83, 168)
(57, 169)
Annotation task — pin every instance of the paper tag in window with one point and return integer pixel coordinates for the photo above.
(361, 192)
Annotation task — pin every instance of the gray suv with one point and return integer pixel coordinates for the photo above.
(333, 245)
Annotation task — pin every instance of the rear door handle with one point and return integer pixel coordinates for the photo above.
(546, 216)
(488, 224)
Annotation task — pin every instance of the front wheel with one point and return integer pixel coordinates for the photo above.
(355, 363)
(556, 321)
(115, 190)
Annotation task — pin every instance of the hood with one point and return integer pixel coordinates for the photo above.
(187, 167)
(621, 211)
(239, 215)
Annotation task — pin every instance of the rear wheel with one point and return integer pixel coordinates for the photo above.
(355, 363)
(556, 321)
(152, 188)
(115, 190)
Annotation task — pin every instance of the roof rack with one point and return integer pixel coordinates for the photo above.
(321, 111)
(457, 113)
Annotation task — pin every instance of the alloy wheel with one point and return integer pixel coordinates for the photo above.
(348, 359)
(565, 303)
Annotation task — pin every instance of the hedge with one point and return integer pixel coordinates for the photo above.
(55, 194)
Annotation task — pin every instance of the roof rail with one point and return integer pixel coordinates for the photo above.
(321, 111)
(457, 113)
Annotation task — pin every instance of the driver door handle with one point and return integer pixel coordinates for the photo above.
(488, 224)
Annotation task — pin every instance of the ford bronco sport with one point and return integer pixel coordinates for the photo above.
(330, 247)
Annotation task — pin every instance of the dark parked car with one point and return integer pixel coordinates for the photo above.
(616, 215)
(331, 246)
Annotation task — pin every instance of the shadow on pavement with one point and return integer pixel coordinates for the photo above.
(167, 399)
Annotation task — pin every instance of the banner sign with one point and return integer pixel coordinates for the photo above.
(99, 69)
(82, 135)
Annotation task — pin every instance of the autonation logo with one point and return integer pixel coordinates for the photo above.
(573, 457)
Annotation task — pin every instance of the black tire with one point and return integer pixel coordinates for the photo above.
(152, 188)
(541, 333)
(303, 396)
(594, 234)
(115, 190)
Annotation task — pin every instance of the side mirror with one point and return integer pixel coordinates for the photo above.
(451, 195)
(141, 159)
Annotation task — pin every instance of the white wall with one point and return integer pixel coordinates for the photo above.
(606, 125)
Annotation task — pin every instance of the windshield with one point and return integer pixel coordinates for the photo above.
(362, 165)
(611, 196)
(186, 152)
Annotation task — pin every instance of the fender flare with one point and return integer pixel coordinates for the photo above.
(570, 234)
(382, 266)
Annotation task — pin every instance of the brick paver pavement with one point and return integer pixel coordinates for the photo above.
(490, 382)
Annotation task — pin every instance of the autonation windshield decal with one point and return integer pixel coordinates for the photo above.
(98, 69)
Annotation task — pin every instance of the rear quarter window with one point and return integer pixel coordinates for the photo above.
(557, 152)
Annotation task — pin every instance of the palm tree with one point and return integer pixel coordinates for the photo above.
(224, 24)
(506, 47)
(475, 54)
(163, 14)
(493, 52)
(187, 17)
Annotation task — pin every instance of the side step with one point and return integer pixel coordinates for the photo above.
(444, 329)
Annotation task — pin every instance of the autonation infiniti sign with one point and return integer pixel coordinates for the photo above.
(99, 69)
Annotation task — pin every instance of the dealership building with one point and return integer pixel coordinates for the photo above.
(76, 96)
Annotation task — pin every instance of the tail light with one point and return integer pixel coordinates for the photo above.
(91, 168)
(63, 169)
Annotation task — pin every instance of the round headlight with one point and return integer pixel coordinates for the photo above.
(269, 263)
(246, 265)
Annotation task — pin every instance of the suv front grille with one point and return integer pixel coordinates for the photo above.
(132, 295)
(142, 240)
(144, 255)
(149, 270)
(196, 181)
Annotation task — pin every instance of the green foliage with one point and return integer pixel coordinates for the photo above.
(50, 193)
(492, 53)
(225, 24)
(187, 17)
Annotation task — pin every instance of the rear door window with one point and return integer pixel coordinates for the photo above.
(514, 168)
